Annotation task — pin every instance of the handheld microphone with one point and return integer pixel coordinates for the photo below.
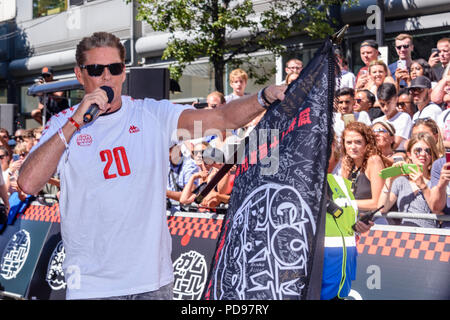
(93, 110)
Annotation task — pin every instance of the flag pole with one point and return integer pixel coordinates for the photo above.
(338, 36)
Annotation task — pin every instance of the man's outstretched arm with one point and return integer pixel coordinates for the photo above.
(235, 114)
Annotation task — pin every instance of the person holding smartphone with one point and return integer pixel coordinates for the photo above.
(400, 69)
(439, 183)
(440, 58)
(411, 192)
(368, 52)
(345, 112)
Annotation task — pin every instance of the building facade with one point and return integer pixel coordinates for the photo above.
(38, 33)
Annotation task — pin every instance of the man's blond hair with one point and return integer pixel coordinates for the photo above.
(443, 40)
(403, 36)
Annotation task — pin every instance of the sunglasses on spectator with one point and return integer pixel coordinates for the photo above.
(295, 68)
(19, 138)
(96, 70)
(358, 100)
(46, 75)
(2, 156)
(380, 130)
(418, 151)
(197, 152)
(404, 46)
(416, 90)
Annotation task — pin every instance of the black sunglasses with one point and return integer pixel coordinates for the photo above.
(416, 90)
(96, 70)
(417, 151)
(404, 46)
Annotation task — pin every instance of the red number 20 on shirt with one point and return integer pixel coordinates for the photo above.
(118, 155)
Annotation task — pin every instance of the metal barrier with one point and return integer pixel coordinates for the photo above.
(425, 216)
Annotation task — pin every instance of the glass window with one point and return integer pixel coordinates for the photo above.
(265, 64)
(28, 102)
(304, 55)
(75, 96)
(3, 95)
(198, 79)
(76, 2)
(42, 8)
(197, 82)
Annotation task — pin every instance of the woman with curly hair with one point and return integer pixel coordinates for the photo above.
(362, 162)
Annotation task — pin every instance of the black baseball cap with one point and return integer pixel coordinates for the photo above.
(46, 70)
(369, 43)
(420, 82)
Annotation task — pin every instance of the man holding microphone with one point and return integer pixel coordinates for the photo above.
(113, 173)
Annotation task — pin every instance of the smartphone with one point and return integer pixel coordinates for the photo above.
(349, 117)
(447, 156)
(396, 171)
(435, 50)
(398, 158)
(401, 64)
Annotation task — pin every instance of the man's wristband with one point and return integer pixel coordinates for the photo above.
(75, 124)
(63, 138)
(262, 99)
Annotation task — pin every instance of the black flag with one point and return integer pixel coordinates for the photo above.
(271, 243)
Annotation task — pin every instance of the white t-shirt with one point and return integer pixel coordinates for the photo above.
(113, 199)
(232, 96)
(442, 118)
(339, 124)
(402, 124)
(432, 111)
(347, 80)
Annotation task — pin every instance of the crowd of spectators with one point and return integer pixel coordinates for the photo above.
(13, 151)
(386, 115)
(408, 106)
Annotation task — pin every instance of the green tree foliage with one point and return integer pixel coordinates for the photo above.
(205, 28)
